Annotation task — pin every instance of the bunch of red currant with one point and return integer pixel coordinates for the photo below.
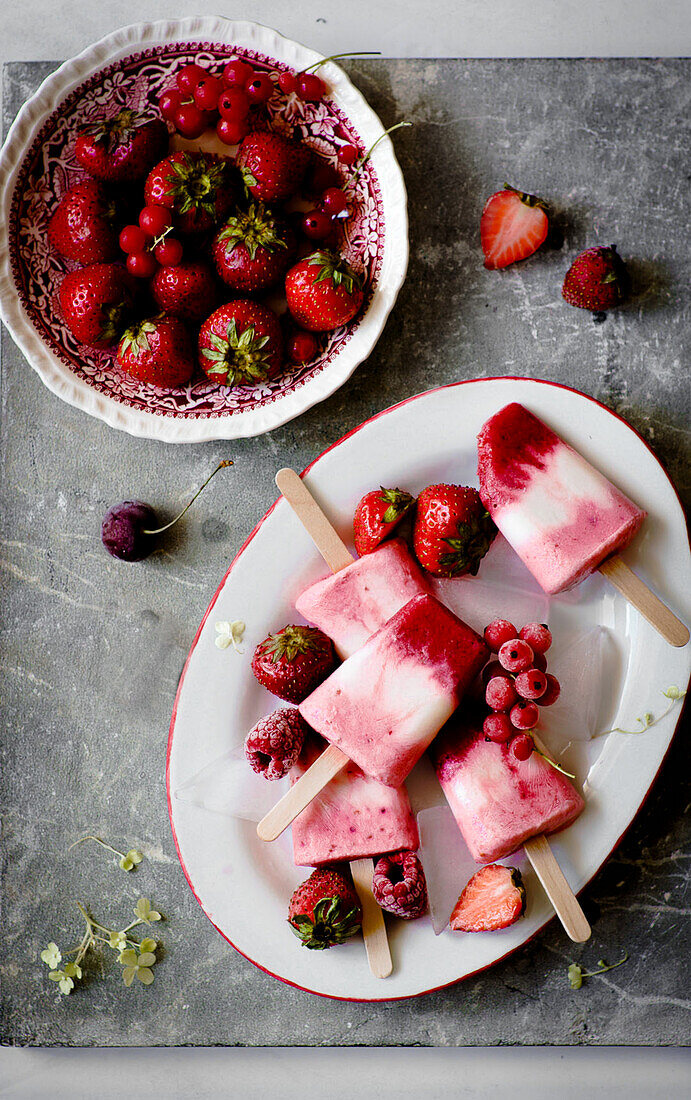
(149, 244)
(516, 683)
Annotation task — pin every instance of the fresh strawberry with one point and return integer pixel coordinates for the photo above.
(273, 745)
(494, 898)
(293, 662)
(453, 530)
(253, 250)
(200, 188)
(376, 516)
(324, 910)
(241, 344)
(158, 351)
(272, 166)
(323, 293)
(187, 291)
(597, 279)
(97, 303)
(83, 226)
(121, 149)
(513, 225)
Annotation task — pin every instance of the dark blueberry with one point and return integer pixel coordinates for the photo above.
(123, 530)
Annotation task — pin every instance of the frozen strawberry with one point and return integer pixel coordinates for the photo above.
(273, 745)
(293, 662)
(494, 898)
(377, 515)
(84, 225)
(453, 530)
(324, 910)
(322, 292)
(254, 249)
(158, 351)
(597, 280)
(513, 226)
(122, 149)
(187, 291)
(272, 166)
(241, 344)
(97, 303)
(198, 187)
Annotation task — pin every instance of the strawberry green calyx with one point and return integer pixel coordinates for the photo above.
(135, 340)
(112, 320)
(526, 199)
(467, 550)
(292, 642)
(240, 358)
(115, 131)
(332, 923)
(334, 269)
(255, 228)
(193, 184)
(398, 503)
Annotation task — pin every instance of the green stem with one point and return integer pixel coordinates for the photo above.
(371, 149)
(160, 530)
(98, 840)
(338, 56)
(553, 763)
(603, 969)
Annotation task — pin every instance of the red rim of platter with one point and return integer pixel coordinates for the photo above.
(48, 169)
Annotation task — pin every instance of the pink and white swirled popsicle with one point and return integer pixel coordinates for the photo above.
(562, 517)
(352, 604)
(386, 702)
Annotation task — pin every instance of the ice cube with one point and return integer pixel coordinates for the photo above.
(229, 786)
(580, 665)
(478, 603)
(446, 861)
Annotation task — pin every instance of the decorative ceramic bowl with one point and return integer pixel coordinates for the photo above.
(131, 68)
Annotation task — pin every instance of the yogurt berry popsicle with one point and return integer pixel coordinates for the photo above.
(351, 604)
(353, 816)
(499, 802)
(562, 517)
(386, 702)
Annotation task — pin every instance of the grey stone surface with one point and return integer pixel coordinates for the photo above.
(92, 648)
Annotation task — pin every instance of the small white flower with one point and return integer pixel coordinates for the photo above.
(228, 634)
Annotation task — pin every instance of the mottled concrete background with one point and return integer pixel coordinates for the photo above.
(92, 648)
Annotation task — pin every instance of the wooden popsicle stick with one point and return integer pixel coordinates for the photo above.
(308, 786)
(373, 927)
(329, 544)
(633, 589)
(556, 887)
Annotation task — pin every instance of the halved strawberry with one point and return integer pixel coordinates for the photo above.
(513, 225)
(493, 898)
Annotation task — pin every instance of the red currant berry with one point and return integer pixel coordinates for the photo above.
(169, 103)
(551, 692)
(538, 636)
(154, 220)
(259, 88)
(188, 77)
(540, 661)
(333, 201)
(133, 239)
(531, 684)
(287, 82)
(233, 103)
(498, 728)
(141, 264)
(237, 73)
(491, 670)
(302, 347)
(231, 131)
(516, 656)
(168, 252)
(498, 632)
(206, 93)
(316, 225)
(522, 746)
(348, 154)
(190, 121)
(524, 715)
(500, 694)
(311, 87)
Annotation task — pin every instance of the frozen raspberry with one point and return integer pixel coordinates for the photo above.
(274, 744)
(538, 636)
(531, 684)
(522, 746)
(524, 715)
(399, 885)
(499, 728)
(498, 632)
(500, 694)
(551, 692)
(516, 655)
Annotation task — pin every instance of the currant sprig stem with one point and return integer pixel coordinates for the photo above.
(368, 154)
(338, 56)
(160, 530)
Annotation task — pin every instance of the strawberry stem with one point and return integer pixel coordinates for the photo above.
(338, 56)
(160, 530)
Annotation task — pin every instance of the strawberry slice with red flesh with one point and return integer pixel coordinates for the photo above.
(493, 898)
(513, 226)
